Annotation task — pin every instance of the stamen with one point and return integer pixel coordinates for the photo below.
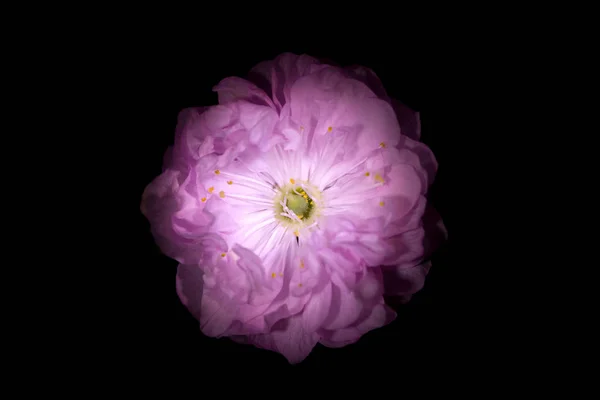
(379, 178)
(382, 145)
(217, 171)
(381, 203)
(292, 181)
(211, 189)
(367, 173)
(273, 275)
(223, 254)
(222, 194)
(203, 199)
(329, 129)
(229, 182)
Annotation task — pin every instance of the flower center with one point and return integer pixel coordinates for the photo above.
(299, 203)
(294, 205)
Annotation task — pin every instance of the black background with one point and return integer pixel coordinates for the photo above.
(437, 326)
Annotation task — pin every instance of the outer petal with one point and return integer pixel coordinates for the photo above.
(378, 316)
(410, 121)
(192, 129)
(408, 248)
(159, 204)
(234, 88)
(217, 313)
(405, 281)
(329, 99)
(369, 78)
(422, 159)
(277, 76)
(345, 309)
(316, 309)
(288, 338)
(189, 285)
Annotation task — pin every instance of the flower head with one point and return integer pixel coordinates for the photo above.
(293, 205)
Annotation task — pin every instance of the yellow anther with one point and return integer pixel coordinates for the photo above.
(305, 196)
(223, 254)
(203, 199)
(211, 189)
(301, 264)
(300, 216)
(382, 145)
(381, 203)
(292, 181)
(296, 232)
(378, 178)
(312, 203)
(217, 171)
(230, 182)
(367, 173)
(329, 129)
(299, 285)
(273, 275)
(222, 194)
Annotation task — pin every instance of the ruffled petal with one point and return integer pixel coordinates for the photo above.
(288, 338)
(369, 78)
(410, 121)
(316, 309)
(217, 313)
(276, 77)
(345, 309)
(404, 281)
(234, 88)
(189, 285)
(380, 315)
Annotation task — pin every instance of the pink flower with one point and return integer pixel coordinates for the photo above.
(293, 205)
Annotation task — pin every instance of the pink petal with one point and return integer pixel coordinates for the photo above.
(288, 338)
(188, 283)
(316, 309)
(345, 309)
(217, 313)
(259, 121)
(405, 281)
(379, 316)
(234, 88)
(410, 121)
(369, 78)
(408, 248)
(425, 160)
(276, 77)
(371, 285)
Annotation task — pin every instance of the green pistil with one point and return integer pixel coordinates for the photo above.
(298, 204)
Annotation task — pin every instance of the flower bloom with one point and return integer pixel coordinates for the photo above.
(293, 205)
